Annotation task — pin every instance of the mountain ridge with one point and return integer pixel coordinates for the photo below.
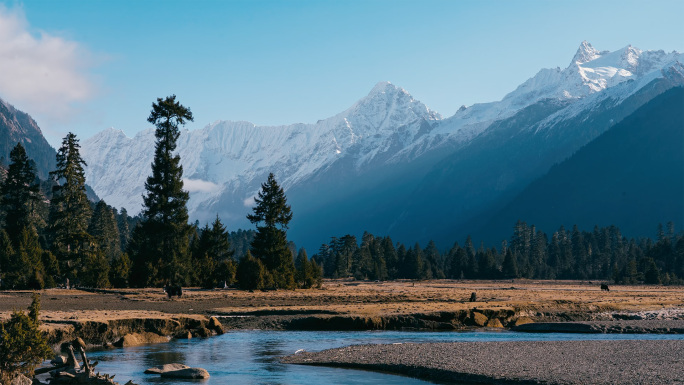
(378, 152)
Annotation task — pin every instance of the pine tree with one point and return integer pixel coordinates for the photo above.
(303, 269)
(161, 250)
(105, 231)
(22, 345)
(509, 268)
(20, 194)
(69, 209)
(272, 215)
(6, 258)
(251, 273)
(124, 230)
(120, 271)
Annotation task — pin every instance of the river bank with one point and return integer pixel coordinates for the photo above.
(103, 317)
(515, 362)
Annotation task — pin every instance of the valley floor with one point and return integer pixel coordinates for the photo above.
(342, 304)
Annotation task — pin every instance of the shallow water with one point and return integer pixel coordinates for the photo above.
(251, 357)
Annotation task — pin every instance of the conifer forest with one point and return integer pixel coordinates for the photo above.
(52, 235)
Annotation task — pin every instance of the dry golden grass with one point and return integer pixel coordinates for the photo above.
(351, 297)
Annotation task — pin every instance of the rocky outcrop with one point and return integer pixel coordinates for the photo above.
(137, 339)
(187, 374)
(178, 371)
(453, 320)
(132, 330)
(165, 368)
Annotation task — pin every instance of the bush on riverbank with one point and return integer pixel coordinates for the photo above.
(22, 345)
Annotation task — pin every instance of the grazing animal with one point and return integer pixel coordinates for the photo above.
(172, 290)
(604, 287)
(473, 297)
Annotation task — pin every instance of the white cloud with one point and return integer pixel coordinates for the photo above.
(249, 201)
(199, 185)
(41, 74)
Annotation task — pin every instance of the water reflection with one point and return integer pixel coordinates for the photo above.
(251, 357)
(267, 353)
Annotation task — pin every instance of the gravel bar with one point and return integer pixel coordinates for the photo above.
(609, 327)
(516, 362)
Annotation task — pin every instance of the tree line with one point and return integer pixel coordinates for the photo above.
(601, 254)
(51, 234)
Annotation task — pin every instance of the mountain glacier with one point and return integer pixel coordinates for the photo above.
(225, 162)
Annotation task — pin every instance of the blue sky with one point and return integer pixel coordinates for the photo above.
(84, 66)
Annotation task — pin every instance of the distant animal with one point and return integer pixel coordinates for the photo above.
(172, 290)
(473, 297)
(604, 287)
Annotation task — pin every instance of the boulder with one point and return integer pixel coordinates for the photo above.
(187, 374)
(184, 335)
(165, 368)
(215, 325)
(201, 332)
(137, 339)
(522, 321)
(21, 379)
(494, 323)
(478, 319)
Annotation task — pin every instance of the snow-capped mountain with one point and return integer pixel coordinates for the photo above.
(234, 157)
(375, 165)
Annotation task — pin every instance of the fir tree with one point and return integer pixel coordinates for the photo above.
(105, 231)
(69, 209)
(272, 215)
(6, 258)
(251, 273)
(161, 252)
(20, 194)
(22, 345)
(509, 268)
(120, 271)
(303, 269)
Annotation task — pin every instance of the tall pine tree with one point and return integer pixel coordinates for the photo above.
(159, 250)
(271, 216)
(20, 194)
(69, 209)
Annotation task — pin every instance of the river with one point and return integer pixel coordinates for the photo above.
(251, 357)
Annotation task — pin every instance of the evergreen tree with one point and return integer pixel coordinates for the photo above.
(105, 230)
(123, 227)
(51, 266)
(6, 258)
(651, 273)
(303, 270)
(69, 209)
(509, 268)
(22, 345)
(95, 270)
(251, 274)
(20, 194)
(120, 271)
(434, 258)
(161, 252)
(414, 263)
(271, 216)
(391, 258)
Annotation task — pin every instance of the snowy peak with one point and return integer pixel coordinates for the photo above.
(387, 100)
(387, 106)
(585, 53)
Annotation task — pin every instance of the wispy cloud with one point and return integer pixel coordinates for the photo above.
(199, 185)
(40, 73)
(249, 201)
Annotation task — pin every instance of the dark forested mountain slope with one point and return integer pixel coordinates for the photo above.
(17, 126)
(632, 176)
